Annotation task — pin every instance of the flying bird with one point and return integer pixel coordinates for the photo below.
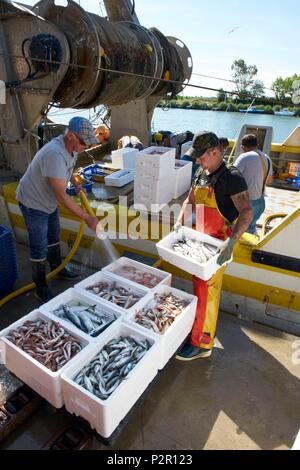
(232, 30)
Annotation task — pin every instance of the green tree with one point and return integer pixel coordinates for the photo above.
(258, 89)
(243, 76)
(283, 87)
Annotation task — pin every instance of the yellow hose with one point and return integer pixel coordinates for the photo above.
(268, 219)
(31, 286)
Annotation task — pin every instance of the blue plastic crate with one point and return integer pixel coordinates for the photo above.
(71, 191)
(8, 260)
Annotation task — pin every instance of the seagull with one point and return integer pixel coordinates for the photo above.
(232, 30)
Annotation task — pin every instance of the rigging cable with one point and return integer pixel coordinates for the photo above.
(147, 77)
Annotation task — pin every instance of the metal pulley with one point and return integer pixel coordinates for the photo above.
(99, 48)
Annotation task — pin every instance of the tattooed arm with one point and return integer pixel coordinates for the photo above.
(243, 206)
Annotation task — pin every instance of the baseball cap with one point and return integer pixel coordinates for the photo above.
(202, 141)
(84, 128)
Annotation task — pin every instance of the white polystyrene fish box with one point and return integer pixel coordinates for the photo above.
(203, 271)
(120, 178)
(155, 162)
(124, 158)
(104, 415)
(71, 298)
(101, 276)
(37, 376)
(150, 191)
(124, 268)
(183, 177)
(185, 147)
(176, 333)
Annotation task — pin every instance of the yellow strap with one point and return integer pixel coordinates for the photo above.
(263, 165)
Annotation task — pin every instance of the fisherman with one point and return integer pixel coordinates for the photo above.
(176, 140)
(130, 141)
(41, 188)
(224, 144)
(223, 210)
(256, 167)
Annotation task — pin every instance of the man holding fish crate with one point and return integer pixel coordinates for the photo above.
(219, 196)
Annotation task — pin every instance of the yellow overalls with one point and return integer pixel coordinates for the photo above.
(210, 221)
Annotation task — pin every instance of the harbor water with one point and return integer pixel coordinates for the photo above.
(224, 124)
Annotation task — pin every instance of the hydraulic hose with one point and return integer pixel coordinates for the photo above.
(268, 219)
(68, 258)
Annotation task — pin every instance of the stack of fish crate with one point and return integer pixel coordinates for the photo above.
(155, 178)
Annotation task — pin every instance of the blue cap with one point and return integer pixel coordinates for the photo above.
(84, 129)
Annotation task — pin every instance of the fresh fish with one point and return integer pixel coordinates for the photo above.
(112, 292)
(162, 314)
(198, 251)
(46, 341)
(88, 318)
(137, 275)
(113, 363)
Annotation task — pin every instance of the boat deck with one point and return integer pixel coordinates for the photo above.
(245, 396)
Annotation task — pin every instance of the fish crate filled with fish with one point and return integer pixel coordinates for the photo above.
(37, 350)
(192, 251)
(106, 289)
(139, 274)
(167, 314)
(74, 308)
(108, 380)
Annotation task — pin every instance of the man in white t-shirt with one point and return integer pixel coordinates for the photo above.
(40, 190)
(256, 167)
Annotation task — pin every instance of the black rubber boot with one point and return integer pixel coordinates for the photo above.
(43, 292)
(54, 258)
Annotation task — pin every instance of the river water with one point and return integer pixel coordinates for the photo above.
(222, 123)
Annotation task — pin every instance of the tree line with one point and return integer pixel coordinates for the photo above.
(248, 89)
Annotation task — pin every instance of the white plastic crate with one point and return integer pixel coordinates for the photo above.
(155, 162)
(124, 158)
(120, 178)
(185, 147)
(165, 278)
(203, 271)
(150, 191)
(172, 338)
(105, 415)
(183, 177)
(107, 277)
(73, 297)
(41, 379)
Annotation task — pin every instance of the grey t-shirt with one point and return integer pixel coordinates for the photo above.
(52, 161)
(250, 165)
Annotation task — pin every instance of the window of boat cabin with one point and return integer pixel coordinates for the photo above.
(260, 134)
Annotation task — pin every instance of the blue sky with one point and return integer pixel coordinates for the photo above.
(262, 32)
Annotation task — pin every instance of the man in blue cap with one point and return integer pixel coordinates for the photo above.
(40, 190)
(219, 196)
